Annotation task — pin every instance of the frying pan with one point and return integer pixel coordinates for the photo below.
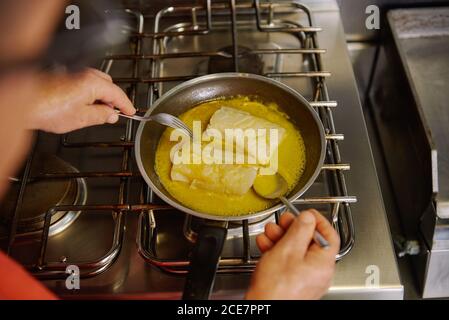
(211, 236)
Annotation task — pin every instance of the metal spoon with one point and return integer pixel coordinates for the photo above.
(164, 119)
(278, 193)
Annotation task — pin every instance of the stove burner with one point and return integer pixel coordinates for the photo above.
(255, 227)
(248, 62)
(41, 195)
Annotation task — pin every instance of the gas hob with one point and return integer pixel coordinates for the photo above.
(127, 242)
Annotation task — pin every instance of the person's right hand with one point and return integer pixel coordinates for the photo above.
(292, 265)
(66, 102)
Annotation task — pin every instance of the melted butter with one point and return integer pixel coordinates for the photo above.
(266, 185)
(291, 161)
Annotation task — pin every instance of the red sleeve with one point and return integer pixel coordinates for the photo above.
(17, 284)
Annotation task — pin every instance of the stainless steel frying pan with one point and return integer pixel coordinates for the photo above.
(206, 253)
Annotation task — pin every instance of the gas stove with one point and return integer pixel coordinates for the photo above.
(82, 202)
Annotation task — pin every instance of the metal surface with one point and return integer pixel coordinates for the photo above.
(412, 122)
(41, 195)
(211, 87)
(415, 31)
(102, 242)
(354, 15)
(303, 80)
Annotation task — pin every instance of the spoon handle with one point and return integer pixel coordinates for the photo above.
(317, 237)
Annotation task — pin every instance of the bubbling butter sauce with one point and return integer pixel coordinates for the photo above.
(291, 160)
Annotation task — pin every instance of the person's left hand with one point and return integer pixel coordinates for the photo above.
(68, 102)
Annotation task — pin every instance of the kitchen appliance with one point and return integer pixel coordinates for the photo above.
(412, 121)
(300, 44)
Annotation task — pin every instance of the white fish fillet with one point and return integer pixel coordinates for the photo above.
(227, 178)
(235, 179)
(231, 118)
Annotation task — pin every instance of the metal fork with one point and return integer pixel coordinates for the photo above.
(164, 119)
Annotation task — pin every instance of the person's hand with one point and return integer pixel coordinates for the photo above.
(67, 102)
(292, 265)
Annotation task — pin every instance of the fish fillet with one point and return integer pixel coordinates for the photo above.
(230, 118)
(233, 179)
(226, 178)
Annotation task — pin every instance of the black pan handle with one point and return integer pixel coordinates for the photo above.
(204, 262)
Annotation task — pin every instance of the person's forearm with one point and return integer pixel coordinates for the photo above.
(17, 284)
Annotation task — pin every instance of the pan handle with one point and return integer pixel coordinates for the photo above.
(204, 262)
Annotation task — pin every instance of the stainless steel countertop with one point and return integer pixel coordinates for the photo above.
(373, 246)
(130, 276)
